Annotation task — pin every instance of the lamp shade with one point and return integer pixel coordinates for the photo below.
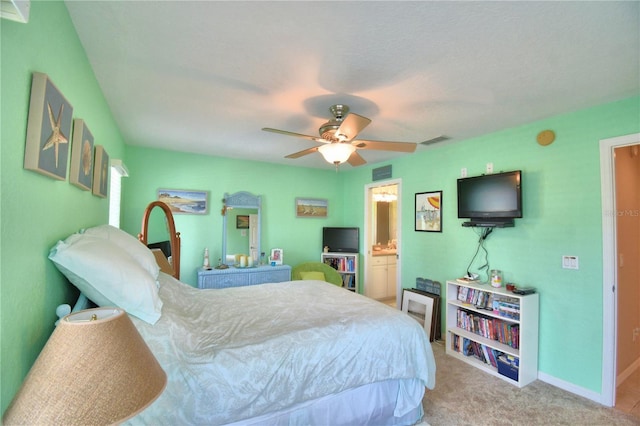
(95, 369)
(336, 153)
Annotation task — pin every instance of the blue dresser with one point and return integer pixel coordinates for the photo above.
(238, 277)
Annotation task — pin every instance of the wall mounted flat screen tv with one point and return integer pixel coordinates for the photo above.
(487, 199)
(341, 240)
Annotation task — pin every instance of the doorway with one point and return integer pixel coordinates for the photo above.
(382, 241)
(611, 264)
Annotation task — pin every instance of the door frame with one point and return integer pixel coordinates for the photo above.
(367, 235)
(609, 262)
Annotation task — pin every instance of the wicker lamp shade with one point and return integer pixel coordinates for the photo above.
(95, 369)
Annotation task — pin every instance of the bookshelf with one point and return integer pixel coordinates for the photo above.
(347, 266)
(491, 325)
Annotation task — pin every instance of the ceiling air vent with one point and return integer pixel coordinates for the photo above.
(435, 140)
(15, 10)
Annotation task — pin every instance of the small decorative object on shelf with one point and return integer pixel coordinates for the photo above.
(496, 278)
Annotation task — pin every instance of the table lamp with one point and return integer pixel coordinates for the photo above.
(95, 369)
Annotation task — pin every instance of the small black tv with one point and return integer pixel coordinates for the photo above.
(490, 200)
(341, 240)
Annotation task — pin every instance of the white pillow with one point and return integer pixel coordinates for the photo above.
(107, 275)
(128, 243)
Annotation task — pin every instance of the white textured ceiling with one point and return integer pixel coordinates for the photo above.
(205, 77)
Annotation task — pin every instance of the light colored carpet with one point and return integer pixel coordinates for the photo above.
(465, 395)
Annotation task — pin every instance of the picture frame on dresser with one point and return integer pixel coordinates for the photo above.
(276, 257)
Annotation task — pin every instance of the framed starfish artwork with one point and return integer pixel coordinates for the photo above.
(81, 171)
(100, 172)
(48, 129)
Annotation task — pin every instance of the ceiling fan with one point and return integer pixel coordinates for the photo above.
(338, 138)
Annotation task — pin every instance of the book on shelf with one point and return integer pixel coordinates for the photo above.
(489, 328)
(465, 280)
(483, 353)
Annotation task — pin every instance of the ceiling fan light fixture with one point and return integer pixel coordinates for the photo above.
(336, 153)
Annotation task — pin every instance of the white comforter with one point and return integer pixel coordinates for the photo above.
(238, 353)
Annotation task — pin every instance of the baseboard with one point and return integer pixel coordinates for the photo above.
(627, 372)
(570, 387)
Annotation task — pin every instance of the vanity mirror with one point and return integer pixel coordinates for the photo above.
(239, 240)
(159, 232)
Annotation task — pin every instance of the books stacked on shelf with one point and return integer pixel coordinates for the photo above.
(479, 351)
(508, 307)
(489, 328)
(341, 264)
(478, 298)
(467, 280)
(348, 282)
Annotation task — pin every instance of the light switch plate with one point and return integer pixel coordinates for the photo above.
(570, 262)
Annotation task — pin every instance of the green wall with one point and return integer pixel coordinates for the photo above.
(36, 210)
(278, 185)
(562, 216)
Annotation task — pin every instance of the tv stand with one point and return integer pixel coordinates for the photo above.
(490, 223)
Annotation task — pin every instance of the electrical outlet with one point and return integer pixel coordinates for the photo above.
(636, 333)
(489, 167)
(463, 172)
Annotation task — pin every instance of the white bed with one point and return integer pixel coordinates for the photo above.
(299, 352)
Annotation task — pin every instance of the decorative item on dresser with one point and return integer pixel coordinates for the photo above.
(173, 259)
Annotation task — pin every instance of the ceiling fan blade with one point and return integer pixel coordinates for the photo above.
(302, 153)
(356, 159)
(351, 126)
(386, 145)
(299, 135)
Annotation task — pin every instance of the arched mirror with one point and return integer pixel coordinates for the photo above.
(241, 220)
(159, 234)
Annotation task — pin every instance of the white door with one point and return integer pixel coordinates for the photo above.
(253, 238)
(370, 283)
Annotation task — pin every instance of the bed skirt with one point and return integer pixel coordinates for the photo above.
(378, 403)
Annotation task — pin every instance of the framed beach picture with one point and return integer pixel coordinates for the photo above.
(184, 201)
(429, 211)
(81, 172)
(242, 221)
(48, 129)
(100, 172)
(311, 207)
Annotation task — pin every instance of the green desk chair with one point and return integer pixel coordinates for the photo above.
(311, 270)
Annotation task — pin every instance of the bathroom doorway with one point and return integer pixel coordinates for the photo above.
(382, 241)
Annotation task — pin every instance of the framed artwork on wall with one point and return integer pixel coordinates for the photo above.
(429, 211)
(48, 129)
(81, 172)
(311, 207)
(184, 201)
(242, 221)
(100, 172)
